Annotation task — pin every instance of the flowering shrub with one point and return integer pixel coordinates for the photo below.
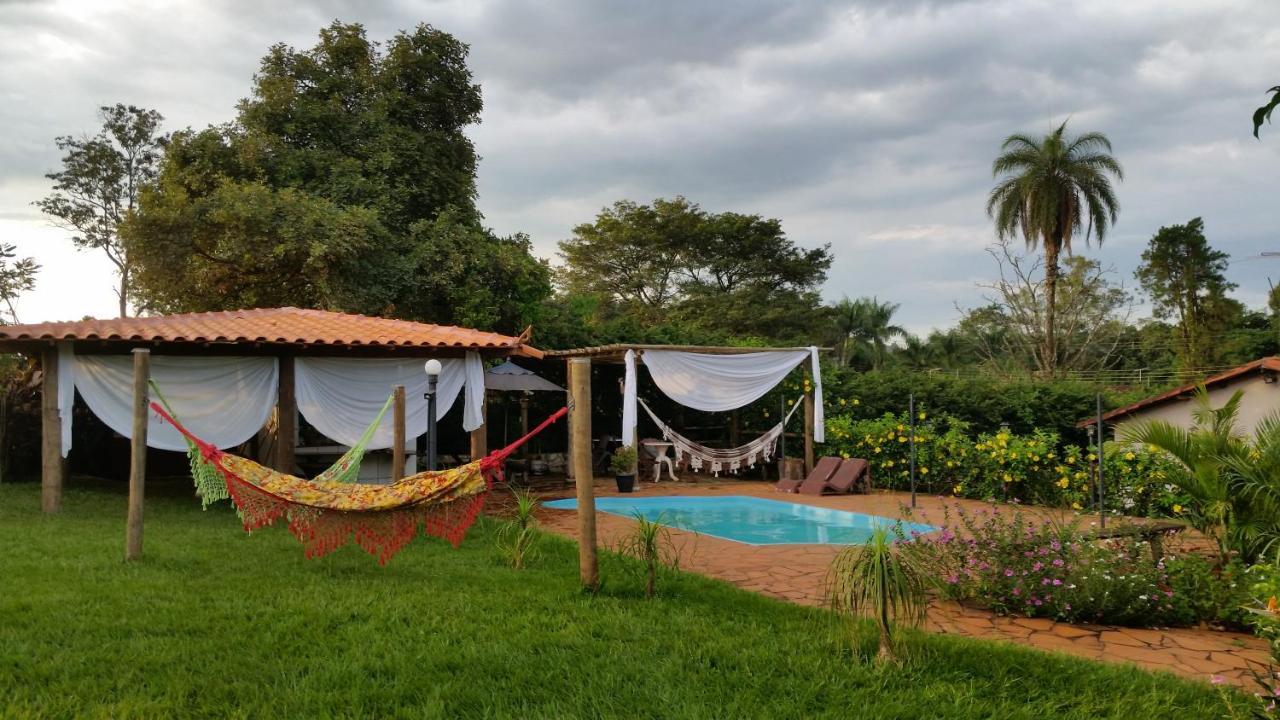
(1018, 565)
(1034, 467)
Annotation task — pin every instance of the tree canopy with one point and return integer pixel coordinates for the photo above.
(1186, 279)
(100, 182)
(346, 182)
(718, 276)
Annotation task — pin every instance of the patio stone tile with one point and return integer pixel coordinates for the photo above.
(797, 573)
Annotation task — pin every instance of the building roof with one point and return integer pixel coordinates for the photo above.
(266, 329)
(615, 352)
(1266, 364)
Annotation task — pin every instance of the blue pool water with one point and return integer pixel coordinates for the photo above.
(751, 520)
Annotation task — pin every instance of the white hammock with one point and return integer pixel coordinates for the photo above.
(721, 460)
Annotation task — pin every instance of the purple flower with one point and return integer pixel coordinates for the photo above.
(1008, 573)
(1056, 581)
(1038, 566)
(1057, 562)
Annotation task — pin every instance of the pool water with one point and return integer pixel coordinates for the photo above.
(751, 520)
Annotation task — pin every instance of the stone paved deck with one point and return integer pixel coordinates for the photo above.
(796, 572)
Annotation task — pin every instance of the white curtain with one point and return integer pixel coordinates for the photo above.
(629, 399)
(717, 383)
(342, 396)
(222, 400)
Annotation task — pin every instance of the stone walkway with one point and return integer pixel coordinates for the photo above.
(796, 573)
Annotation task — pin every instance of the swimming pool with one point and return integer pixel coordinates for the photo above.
(750, 520)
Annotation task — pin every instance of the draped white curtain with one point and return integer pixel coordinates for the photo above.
(223, 400)
(342, 396)
(716, 383)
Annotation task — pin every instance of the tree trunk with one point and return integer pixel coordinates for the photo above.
(1050, 351)
(124, 293)
(886, 637)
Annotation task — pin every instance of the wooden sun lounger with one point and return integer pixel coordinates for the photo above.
(853, 475)
(822, 471)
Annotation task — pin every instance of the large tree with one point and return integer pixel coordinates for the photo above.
(1186, 280)
(1050, 190)
(720, 277)
(100, 182)
(346, 182)
(17, 275)
(864, 328)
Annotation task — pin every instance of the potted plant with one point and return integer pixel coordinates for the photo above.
(623, 464)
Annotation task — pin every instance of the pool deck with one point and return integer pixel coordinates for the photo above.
(796, 573)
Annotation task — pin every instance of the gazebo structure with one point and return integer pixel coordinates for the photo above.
(703, 377)
(332, 360)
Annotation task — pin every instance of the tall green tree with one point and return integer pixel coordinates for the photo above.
(1186, 280)
(101, 180)
(864, 329)
(346, 182)
(1049, 190)
(723, 277)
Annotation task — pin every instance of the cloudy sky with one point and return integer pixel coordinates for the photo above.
(867, 125)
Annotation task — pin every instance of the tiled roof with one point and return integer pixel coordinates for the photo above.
(1266, 363)
(270, 326)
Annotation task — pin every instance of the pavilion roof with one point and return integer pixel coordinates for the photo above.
(616, 351)
(266, 329)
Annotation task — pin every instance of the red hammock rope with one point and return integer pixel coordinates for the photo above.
(446, 513)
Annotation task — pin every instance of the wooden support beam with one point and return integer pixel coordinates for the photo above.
(808, 428)
(52, 469)
(138, 454)
(580, 459)
(397, 434)
(286, 417)
(480, 436)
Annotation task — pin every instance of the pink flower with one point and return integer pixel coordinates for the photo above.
(1056, 581)
(1008, 573)
(1217, 679)
(1038, 566)
(1057, 562)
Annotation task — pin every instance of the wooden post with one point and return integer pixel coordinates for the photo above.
(808, 428)
(480, 436)
(52, 469)
(580, 459)
(138, 454)
(397, 434)
(286, 417)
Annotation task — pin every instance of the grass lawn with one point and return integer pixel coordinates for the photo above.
(218, 623)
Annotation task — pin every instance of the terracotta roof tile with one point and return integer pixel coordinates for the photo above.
(286, 326)
(1266, 363)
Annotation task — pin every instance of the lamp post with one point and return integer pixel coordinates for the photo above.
(433, 368)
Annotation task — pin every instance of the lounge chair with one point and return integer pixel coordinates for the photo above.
(853, 475)
(822, 472)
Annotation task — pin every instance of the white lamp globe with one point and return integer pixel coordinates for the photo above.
(433, 367)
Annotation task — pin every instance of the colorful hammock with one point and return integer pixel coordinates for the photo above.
(326, 514)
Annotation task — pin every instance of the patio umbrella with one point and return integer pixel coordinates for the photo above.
(510, 377)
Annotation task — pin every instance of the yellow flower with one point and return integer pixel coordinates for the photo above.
(1064, 483)
(888, 463)
(924, 471)
(1152, 448)
(842, 401)
(1177, 508)
(950, 464)
(901, 428)
(1092, 457)
(1076, 506)
(844, 455)
(856, 402)
(1129, 456)
(1013, 455)
(921, 416)
(902, 438)
(1071, 460)
(1008, 477)
(877, 451)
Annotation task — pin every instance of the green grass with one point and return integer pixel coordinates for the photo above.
(218, 623)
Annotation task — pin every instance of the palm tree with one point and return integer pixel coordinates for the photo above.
(865, 327)
(881, 580)
(1204, 454)
(1048, 191)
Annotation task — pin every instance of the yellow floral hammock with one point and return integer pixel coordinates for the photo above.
(325, 515)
